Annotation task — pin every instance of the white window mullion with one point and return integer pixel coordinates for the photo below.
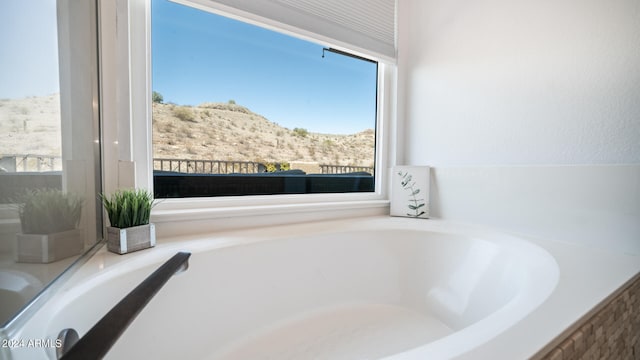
(140, 48)
(125, 88)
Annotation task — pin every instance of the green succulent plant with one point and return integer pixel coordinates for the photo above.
(128, 208)
(48, 211)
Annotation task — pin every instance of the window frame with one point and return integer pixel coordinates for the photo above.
(130, 163)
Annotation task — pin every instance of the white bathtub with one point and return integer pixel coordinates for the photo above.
(353, 289)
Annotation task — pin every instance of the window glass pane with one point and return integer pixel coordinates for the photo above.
(49, 148)
(238, 110)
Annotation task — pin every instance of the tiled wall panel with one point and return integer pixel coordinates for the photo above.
(612, 333)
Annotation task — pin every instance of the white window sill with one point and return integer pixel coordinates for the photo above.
(175, 221)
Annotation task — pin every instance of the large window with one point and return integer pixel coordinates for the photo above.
(242, 110)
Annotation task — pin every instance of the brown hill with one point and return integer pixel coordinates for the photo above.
(210, 131)
(30, 125)
(222, 131)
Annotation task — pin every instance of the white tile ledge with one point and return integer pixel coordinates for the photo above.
(207, 213)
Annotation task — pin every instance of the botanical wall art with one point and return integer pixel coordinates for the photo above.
(410, 191)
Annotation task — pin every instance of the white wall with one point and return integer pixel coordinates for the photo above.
(550, 86)
(521, 81)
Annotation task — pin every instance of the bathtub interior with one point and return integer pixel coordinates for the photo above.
(335, 292)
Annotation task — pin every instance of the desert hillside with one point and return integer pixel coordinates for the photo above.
(30, 126)
(210, 131)
(223, 131)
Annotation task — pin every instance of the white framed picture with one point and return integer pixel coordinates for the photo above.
(410, 191)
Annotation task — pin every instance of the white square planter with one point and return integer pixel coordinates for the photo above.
(46, 248)
(122, 241)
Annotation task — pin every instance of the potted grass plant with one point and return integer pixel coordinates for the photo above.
(49, 221)
(129, 211)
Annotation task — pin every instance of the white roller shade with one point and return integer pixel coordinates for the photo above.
(365, 26)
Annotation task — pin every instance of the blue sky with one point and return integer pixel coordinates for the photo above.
(29, 52)
(201, 57)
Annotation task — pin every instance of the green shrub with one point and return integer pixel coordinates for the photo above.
(184, 113)
(300, 132)
(271, 167)
(127, 208)
(46, 211)
(157, 97)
